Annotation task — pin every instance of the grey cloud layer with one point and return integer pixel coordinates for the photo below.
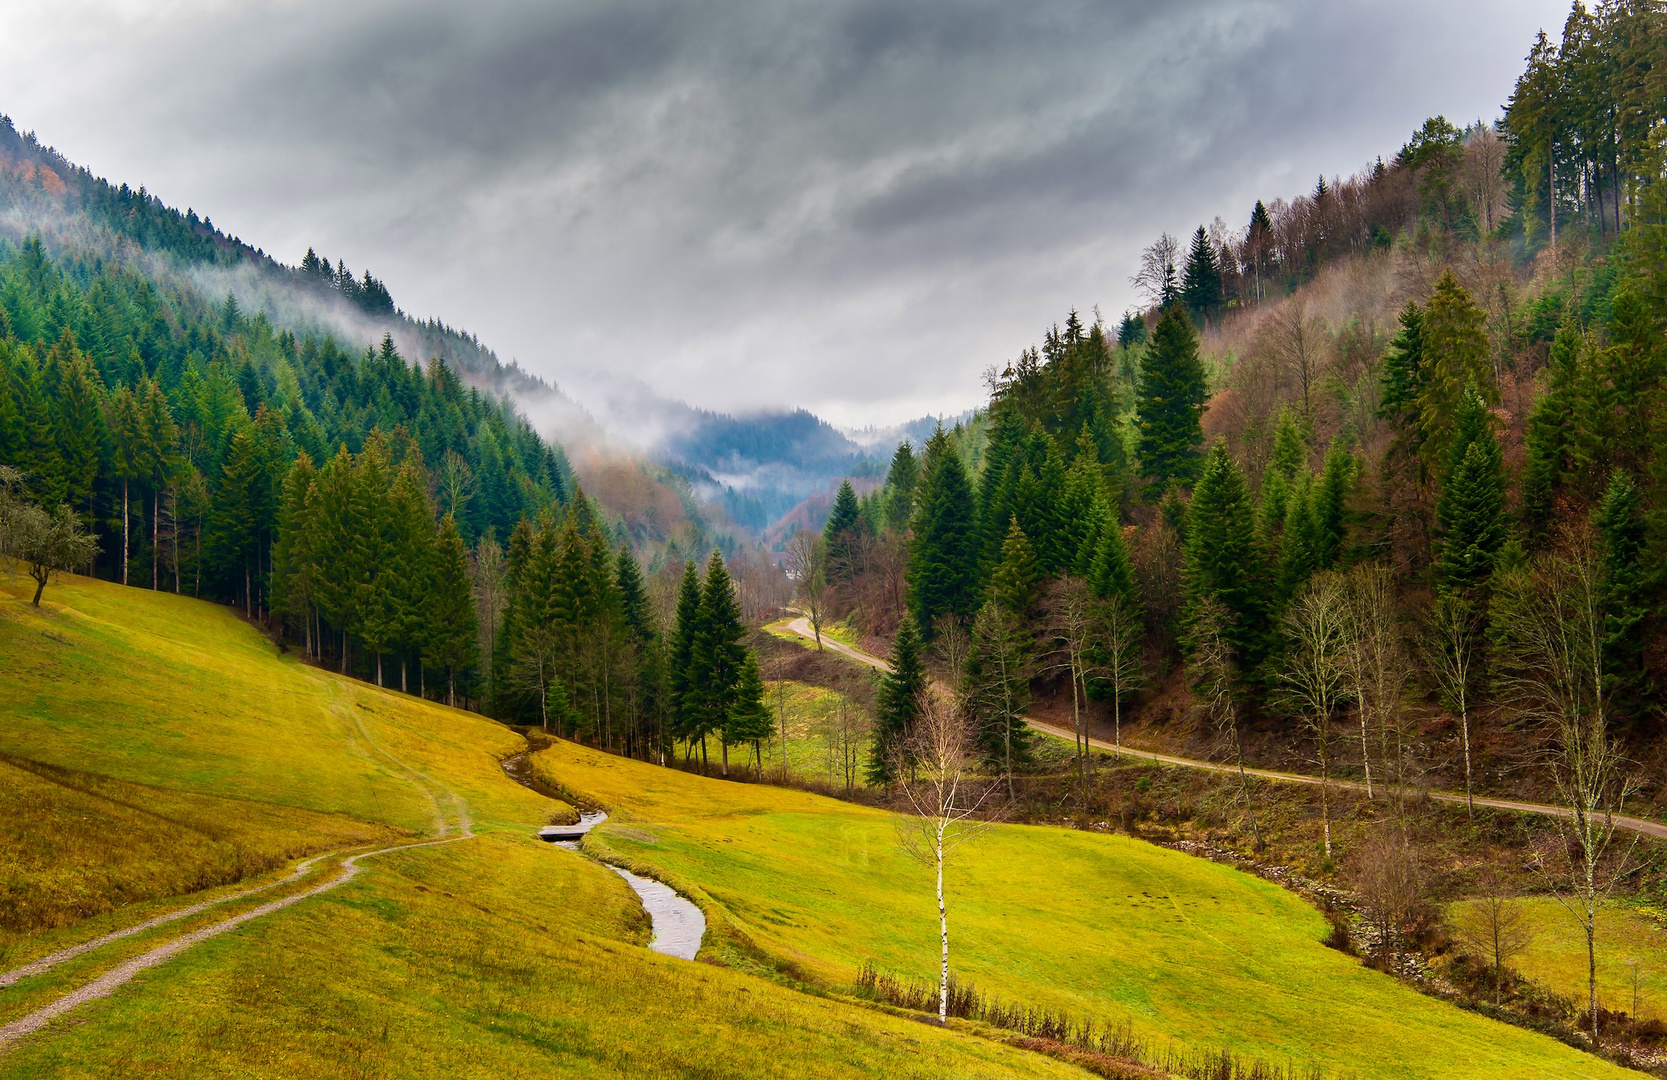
(853, 206)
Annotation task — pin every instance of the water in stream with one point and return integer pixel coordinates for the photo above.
(678, 924)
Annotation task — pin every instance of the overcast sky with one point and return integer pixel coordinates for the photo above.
(851, 206)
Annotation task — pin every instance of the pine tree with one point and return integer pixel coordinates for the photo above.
(452, 629)
(1470, 513)
(1625, 595)
(718, 655)
(1131, 331)
(841, 534)
(749, 719)
(1112, 574)
(1017, 577)
(1171, 400)
(77, 421)
(126, 431)
(682, 693)
(901, 481)
(1455, 355)
(294, 558)
(1402, 379)
(1550, 434)
(1331, 494)
(1222, 562)
(942, 556)
(1201, 281)
(898, 703)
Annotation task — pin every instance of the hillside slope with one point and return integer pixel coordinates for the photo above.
(155, 744)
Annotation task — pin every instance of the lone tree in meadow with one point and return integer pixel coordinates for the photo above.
(45, 542)
(951, 805)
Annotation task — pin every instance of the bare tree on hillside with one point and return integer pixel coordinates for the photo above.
(457, 483)
(807, 563)
(1298, 342)
(1159, 278)
(1376, 659)
(1315, 674)
(1378, 673)
(1074, 628)
(1496, 928)
(1387, 880)
(950, 805)
(1213, 671)
(1552, 623)
(1453, 656)
(1124, 670)
(845, 731)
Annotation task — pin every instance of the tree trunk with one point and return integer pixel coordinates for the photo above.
(1365, 752)
(403, 664)
(1592, 975)
(943, 936)
(723, 749)
(1469, 799)
(703, 755)
(451, 687)
(40, 584)
(155, 533)
(126, 518)
(378, 667)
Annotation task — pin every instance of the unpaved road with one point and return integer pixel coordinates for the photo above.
(461, 828)
(803, 628)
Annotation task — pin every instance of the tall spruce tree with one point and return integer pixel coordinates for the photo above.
(1454, 356)
(1625, 596)
(899, 492)
(841, 534)
(898, 703)
(1222, 561)
(1017, 578)
(1171, 400)
(942, 558)
(1470, 514)
(452, 629)
(1201, 287)
(716, 658)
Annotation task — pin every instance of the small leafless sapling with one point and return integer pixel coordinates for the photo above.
(1497, 929)
(1213, 671)
(1314, 675)
(807, 563)
(1455, 643)
(950, 805)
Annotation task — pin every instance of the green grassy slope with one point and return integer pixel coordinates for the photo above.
(150, 744)
(1099, 926)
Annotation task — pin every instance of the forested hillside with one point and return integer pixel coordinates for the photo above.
(1389, 458)
(382, 506)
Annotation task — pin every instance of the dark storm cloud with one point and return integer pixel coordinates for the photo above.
(849, 205)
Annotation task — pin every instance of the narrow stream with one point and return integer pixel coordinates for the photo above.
(678, 924)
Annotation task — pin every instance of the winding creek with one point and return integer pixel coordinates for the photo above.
(678, 924)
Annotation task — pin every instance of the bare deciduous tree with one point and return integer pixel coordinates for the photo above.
(997, 690)
(807, 563)
(1386, 878)
(1124, 669)
(1159, 276)
(846, 732)
(1453, 653)
(1298, 342)
(1552, 622)
(950, 805)
(457, 483)
(1314, 676)
(1376, 659)
(1074, 628)
(1213, 671)
(1496, 927)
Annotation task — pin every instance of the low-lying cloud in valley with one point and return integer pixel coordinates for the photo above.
(849, 206)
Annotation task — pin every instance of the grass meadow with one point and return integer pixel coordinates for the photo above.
(156, 751)
(1630, 942)
(1097, 926)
